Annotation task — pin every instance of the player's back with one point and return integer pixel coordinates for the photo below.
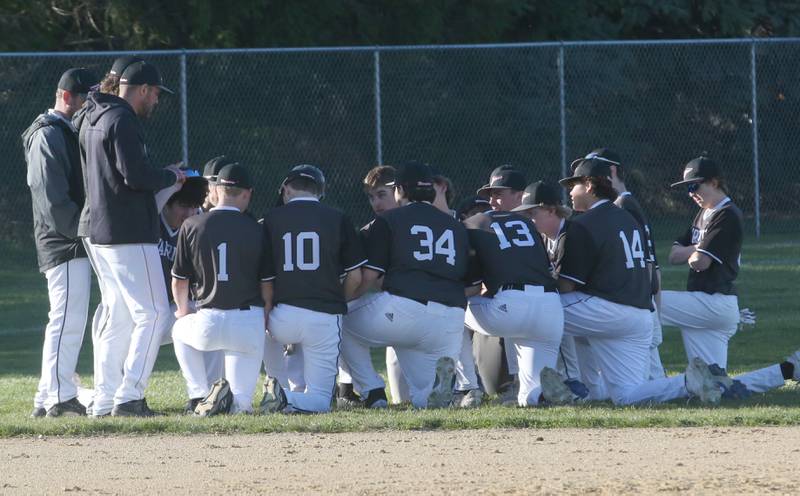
(630, 204)
(604, 251)
(311, 246)
(510, 251)
(221, 251)
(428, 253)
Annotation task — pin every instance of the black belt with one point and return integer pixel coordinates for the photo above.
(521, 287)
(244, 307)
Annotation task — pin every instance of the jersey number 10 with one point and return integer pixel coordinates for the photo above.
(633, 249)
(305, 260)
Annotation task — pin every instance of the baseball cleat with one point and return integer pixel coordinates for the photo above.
(274, 399)
(794, 359)
(69, 408)
(376, 399)
(188, 409)
(731, 388)
(348, 400)
(701, 383)
(508, 394)
(38, 412)
(135, 408)
(554, 391)
(219, 400)
(579, 390)
(442, 393)
(468, 399)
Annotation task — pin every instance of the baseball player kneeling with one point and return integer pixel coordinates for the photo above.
(308, 248)
(708, 311)
(522, 301)
(220, 253)
(422, 253)
(605, 289)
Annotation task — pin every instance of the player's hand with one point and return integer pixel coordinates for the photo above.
(176, 169)
(746, 317)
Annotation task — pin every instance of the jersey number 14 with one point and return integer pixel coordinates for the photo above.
(633, 249)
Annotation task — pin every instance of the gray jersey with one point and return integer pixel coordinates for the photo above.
(423, 253)
(511, 252)
(221, 253)
(604, 253)
(309, 247)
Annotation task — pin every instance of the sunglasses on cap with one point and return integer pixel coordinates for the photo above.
(693, 187)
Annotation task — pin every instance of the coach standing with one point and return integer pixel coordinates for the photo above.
(123, 235)
(54, 178)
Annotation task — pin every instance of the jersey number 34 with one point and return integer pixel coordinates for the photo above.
(444, 245)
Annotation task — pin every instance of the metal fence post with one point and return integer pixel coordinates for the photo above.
(754, 112)
(376, 57)
(562, 105)
(184, 113)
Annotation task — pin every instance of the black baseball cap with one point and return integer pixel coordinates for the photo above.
(603, 153)
(79, 80)
(539, 194)
(699, 170)
(504, 177)
(306, 171)
(413, 174)
(235, 175)
(143, 73)
(213, 166)
(122, 63)
(587, 167)
(472, 203)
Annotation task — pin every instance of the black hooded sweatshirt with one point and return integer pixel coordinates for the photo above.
(120, 182)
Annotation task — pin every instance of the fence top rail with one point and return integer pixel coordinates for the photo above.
(401, 48)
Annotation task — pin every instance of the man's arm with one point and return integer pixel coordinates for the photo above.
(369, 278)
(352, 283)
(699, 261)
(48, 168)
(679, 254)
(132, 162)
(267, 292)
(565, 285)
(180, 292)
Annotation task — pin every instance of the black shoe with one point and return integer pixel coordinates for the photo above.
(188, 409)
(135, 408)
(274, 400)
(69, 408)
(38, 412)
(376, 398)
(346, 398)
(219, 400)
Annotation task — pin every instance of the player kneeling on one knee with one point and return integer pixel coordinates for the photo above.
(220, 254)
(423, 254)
(605, 289)
(521, 300)
(308, 248)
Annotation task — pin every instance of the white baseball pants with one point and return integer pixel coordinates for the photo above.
(466, 375)
(707, 322)
(68, 289)
(318, 334)
(398, 387)
(656, 367)
(288, 368)
(138, 317)
(534, 321)
(237, 334)
(420, 334)
(619, 337)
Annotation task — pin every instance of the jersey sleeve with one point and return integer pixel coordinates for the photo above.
(267, 272)
(577, 262)
(722, 237)
(352, 250)
(183, 268)
(378, 243)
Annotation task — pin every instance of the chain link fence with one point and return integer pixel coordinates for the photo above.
(464, 109)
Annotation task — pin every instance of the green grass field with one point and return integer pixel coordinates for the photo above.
(771, 269)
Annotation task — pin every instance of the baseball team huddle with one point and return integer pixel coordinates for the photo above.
(511, 294)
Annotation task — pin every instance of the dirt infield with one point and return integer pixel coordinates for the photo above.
(718, 460)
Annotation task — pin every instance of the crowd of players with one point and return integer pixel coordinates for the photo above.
(513, 294)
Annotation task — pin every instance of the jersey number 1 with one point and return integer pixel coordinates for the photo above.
(222, 274)
(633, 249)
